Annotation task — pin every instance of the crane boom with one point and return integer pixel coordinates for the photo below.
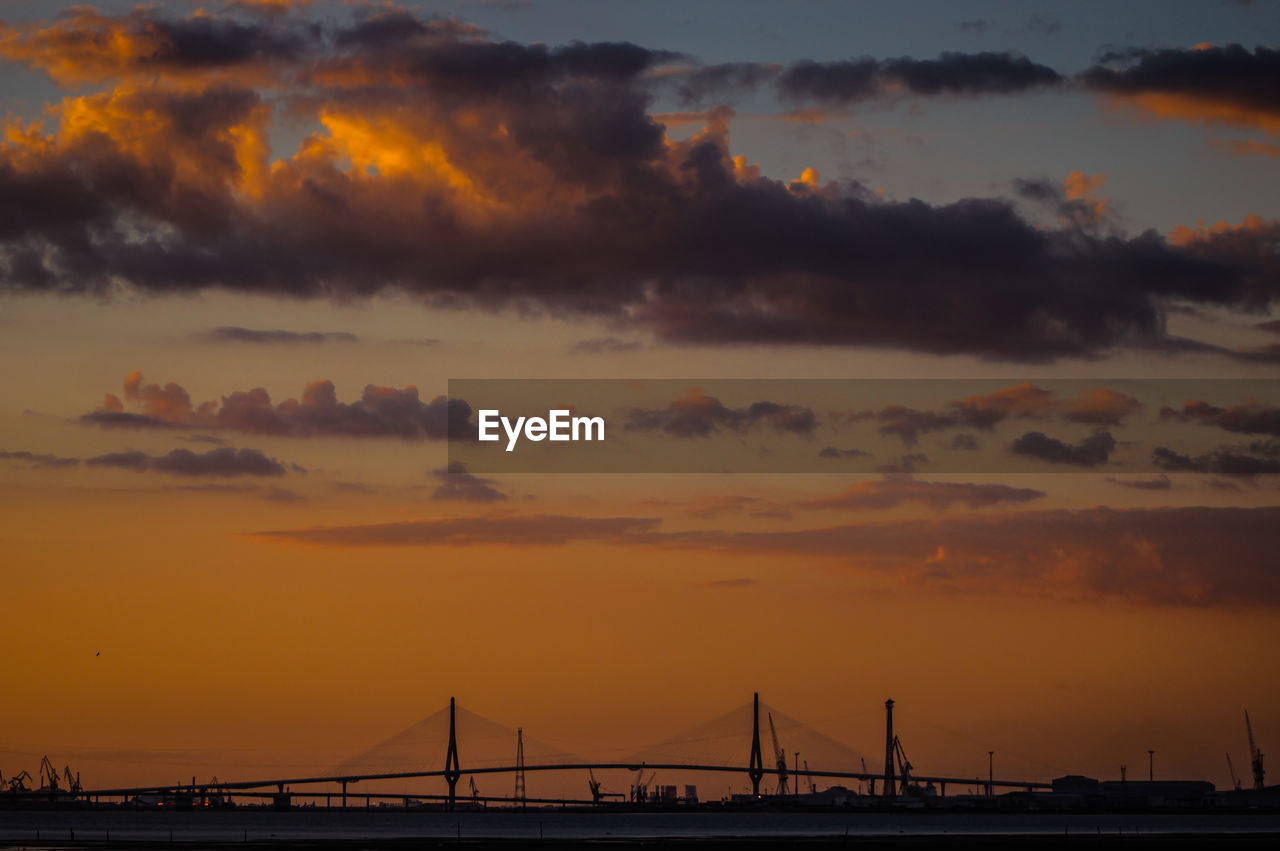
(1255, 756)
(781, 756)
(1235, 781)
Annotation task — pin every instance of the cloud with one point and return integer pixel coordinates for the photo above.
(1095, 406)
(833, 452)
(1167, 556)
(43, 461)
(1159, 483)
(1043, 25)
(85, 46)
(458, 484)
(1226, 85)
(473, 173)
(720, 81)
(1091, 451)
(544, 530)
(1250, 417)
(234, 334)
(223, 462)
(604, 345)
(951, 73)
(893, 491)
(1222, 461)
(380, 412)
(1074, 202)
(697, 415)
(284, 496)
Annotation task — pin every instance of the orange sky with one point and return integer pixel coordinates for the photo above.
(193, 584)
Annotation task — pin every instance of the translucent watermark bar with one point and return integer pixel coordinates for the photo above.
(1223, 427)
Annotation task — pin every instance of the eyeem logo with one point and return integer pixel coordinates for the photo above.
(558, 426)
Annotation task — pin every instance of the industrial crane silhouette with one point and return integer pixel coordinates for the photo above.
(1255, 756)
(781, 757)
(18, 783)
(48, 776)
(640, 791)
(596, 793)
(1235, 781)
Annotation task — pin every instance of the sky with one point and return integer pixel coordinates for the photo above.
(937, 343)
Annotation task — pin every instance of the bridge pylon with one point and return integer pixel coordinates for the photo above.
(452, 771)
(755, 769)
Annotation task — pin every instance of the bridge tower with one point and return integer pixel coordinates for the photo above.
(520, 793)
(452, 772)
(890, 781)
(755, 768)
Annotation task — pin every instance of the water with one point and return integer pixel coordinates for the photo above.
(260, 825)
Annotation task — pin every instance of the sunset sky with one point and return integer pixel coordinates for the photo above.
(245, 248)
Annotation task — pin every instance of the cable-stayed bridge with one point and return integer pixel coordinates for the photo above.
(720, 743)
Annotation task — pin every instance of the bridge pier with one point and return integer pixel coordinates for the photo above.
(890, 775)
(755, 768)
(344, 794)
(452, 771)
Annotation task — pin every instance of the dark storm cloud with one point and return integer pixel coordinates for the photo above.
(224, 462)
(1092, 451)
(1230, 74)
(951, 73)
(549, 530)
(457, 484)
(598, 213)
(235, 334)
(1248, 418)
(698, 415)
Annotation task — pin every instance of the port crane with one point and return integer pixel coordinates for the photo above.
(596, 793)
(640, 791)
(475, 793)
(781, 757)
(871, 784)
(904, 772)
(48, 776)
(18, 783)
(73, 781)
(813, 788)
(1235, 780)
(1255, 756)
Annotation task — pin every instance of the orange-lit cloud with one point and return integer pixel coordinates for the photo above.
(471, 172)
(1206, 85)
(85, 46)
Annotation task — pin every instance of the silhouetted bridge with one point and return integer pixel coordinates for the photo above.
(893, 779)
